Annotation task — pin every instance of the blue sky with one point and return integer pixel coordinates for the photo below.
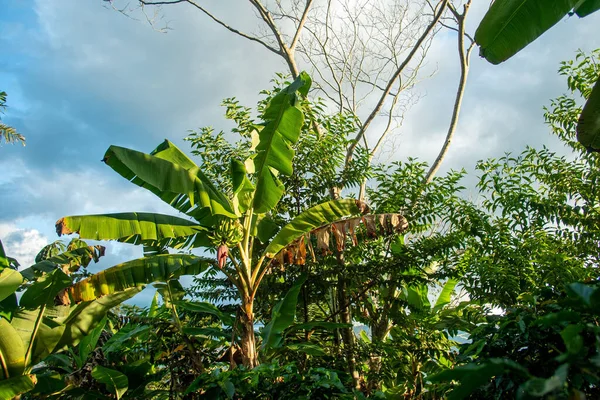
(80, 77)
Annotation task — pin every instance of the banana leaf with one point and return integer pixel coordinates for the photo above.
(587, 7)
(11, 388)
(446, 294)
(114, 380)
(283, 122)
(282, 316)
(588, 126)
(510, 25)
(314, 217)
(83, 318)
(160, 268)
(131, 227)
(10, 280)
(186, 189)
(12, 351)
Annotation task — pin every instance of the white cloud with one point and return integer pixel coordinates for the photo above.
(21, 244)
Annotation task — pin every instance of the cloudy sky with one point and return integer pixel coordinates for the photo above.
(80, 77)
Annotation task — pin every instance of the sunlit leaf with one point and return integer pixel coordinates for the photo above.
(282, 316)
(283, 121)
(160, 268)
(115, 381)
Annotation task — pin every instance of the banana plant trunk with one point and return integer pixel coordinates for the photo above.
(248, 341)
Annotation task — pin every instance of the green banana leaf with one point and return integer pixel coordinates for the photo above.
(206, 308)
(417, 297)
(12, 351)
(10, 280)
(12, 387)
(131, 227)
(160, 268)
(187, 190)
(311, 349)
(243, 189)
(510, 25)
(6, 262)
(115, 381)
(123, 335)
(282, 316)
(314, 217)
(283, 122)
(587, 7)
(75, 258)
(89, 342)
(445, 295)
(80, 321)
(168, 151)
(588, 126)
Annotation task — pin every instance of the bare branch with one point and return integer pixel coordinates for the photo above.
(464, 57)
(441, 8)
(300, 25)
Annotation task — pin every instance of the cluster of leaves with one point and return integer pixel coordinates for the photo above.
(8, 133)
(549, 345)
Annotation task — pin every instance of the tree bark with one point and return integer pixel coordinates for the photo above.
(347, 333)
(464, 57)
(248, 341)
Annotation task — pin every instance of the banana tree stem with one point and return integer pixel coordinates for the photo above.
(38, 321)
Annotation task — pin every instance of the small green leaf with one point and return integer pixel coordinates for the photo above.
(10, 280)
(43, 291)
(572, 338)
(308, 348)
(12, 387)
(115, 381)
(539, 387)
(228, 387)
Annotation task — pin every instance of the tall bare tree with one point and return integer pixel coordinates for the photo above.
(365, 56)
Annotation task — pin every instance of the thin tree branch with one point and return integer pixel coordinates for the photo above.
(442, 6)
(464, 72)
(300, 25)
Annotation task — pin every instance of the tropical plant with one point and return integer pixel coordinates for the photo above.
(8, 133)
(41, 323)
(234, 225)
(54, 313)
(546, 346)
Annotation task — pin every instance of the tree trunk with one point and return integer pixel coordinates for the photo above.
(379, 330)
(347, 333)
(248, 342)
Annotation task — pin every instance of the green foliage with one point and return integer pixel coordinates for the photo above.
(282, 317)
(115, 381)
(272, 381)
(549, 346)
(9, 134)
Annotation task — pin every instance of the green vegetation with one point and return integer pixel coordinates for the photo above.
(302, 291)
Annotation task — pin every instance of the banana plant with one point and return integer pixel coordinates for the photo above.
(238, 225)
(54, 314)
